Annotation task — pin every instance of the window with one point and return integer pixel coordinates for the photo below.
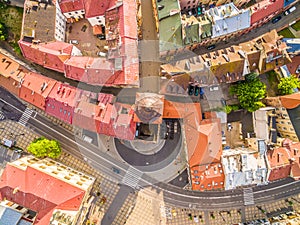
(291, 129)
(65, 112)
(70, 13)
(197, 177)
(76, 12)
(60, 109)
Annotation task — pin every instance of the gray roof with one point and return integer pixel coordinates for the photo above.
(9, 216)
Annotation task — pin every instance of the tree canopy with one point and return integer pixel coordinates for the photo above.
(42, 147)
(287, 85)
(3, 32)
(250, 93)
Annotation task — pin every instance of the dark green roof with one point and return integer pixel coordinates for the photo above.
(170, 33)
(192, 34)
(167, 7)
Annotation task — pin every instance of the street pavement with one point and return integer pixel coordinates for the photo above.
(173, 195)
(170, 148)
(116, 205)
(208, 201)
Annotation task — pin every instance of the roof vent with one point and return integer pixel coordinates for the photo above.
(160, 7)
(226, 57)
(242, 54)
(187, 65)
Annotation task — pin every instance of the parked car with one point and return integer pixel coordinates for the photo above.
(229, 126)
(115, 170)
(276, 19)
(223, 102)
(199, 10)
(197, 90)
(211, 47)
(290, 10)
(101, 54)
(74, 42)
(191, 89)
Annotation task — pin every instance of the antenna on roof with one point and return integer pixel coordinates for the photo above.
(187, 65)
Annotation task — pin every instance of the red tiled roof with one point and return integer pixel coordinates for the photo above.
(290, 101)
(50, 55)
(90, 70)
(123, 120)
(35, 81)
(71, 5)
(265, 8)
(105, 98)
(95, 8)
(39, 191)
(65, 94)
(294, 64)
(295, 172)
(35, 89)
(203, 137)
(131, 63)
(86, 115)
(106, 115)
(97, 29)
(204, 141)
(181, 110)
(279, 161)
(11, 73)
(207, 177)
(127, 18)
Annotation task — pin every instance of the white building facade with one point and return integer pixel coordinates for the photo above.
(228, 19)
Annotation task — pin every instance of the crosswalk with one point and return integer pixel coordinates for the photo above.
(132, 177)
(248, 196)
(25, 117)
(2, 117)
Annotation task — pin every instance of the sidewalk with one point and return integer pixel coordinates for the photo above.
(16, 132)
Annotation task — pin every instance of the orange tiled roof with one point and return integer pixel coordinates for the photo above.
(181, 110)
(204, 140)
(207, 177)
(290, 101)
(39, 191)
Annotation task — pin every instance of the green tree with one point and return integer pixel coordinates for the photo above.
(3, 32)
(42, 147)
(250, 93)
(251, 77)
(287, 85)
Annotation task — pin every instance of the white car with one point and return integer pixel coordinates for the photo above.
(290, 10)
(74, 42)
(101, 54)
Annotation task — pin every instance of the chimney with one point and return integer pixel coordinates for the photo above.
(15, 190)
